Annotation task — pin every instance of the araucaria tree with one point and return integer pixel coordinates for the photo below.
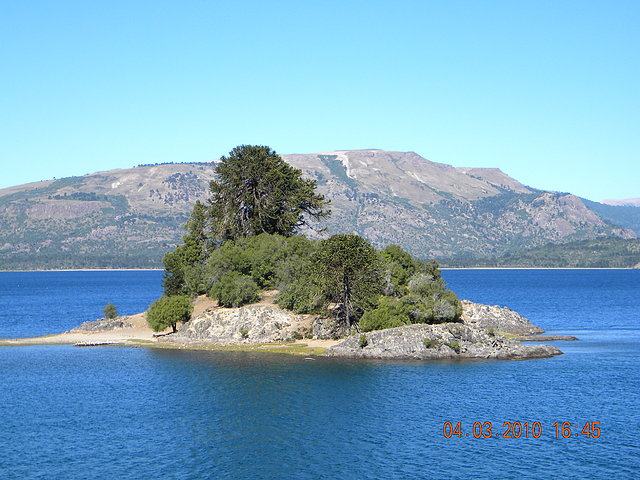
(190, 254)
(350, 270)
(110, 311)
(255, 191)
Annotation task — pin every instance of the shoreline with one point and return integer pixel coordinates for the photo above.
(537, 268)
(86, 270)
(441, 268)
(109, 339)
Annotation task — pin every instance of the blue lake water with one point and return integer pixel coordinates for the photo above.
(132, 413)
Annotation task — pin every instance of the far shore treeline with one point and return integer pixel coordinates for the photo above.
(244, 240)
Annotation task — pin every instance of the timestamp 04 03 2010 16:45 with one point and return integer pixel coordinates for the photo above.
(520, 430)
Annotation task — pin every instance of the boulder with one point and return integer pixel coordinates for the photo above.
(325, 328)
(248, 324)
(501, 319)
(103, 324)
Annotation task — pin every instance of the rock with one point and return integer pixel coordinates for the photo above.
(324, 328)
(431, 342)
(249, 324)
(501, 319)
(546, 338)
(103, 324)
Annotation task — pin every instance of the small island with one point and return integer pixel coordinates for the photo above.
(244, 278)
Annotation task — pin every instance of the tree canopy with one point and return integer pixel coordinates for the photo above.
(349, 268)
(110, 311)
(255, 191)
(168, 311)
(191, 253)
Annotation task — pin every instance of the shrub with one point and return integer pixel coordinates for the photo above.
(425, 286)
(430, 302)
(430, 343)
(235, 290)
(226, 259)
(270, 260)
(244, 332)
(363, 342)
(168, 311)
(297, 336)
(304, 295)
(455, 346)
(110, 311)
(390, 313)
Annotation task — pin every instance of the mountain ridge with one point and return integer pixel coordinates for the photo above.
(129, 217)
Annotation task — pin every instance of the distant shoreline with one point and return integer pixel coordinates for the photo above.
(538, 268)
(87, 270)
(441, 268)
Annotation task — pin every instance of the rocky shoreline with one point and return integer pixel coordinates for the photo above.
(437, 342)
(485, 332)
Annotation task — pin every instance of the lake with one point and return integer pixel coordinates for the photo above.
(133, 413)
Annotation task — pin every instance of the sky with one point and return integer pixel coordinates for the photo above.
(547, 91)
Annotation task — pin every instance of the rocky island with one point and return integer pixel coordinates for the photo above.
(485, 332)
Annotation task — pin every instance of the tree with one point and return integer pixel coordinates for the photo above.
(255, 191)
(191, 253)
(168, 311)
(110, 311)
(349, 268)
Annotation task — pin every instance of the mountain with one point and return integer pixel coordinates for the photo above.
(626, 216)
(597, 253)
(629, 202)
(131, 217)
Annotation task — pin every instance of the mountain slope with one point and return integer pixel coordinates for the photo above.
(627, 216)
(597, 253)
(131, 217)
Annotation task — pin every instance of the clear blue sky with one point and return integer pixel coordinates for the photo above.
(548, 91)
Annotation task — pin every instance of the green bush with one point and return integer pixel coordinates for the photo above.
(430, 343)
(110, 311)
(168, 311)
(235, 290)
(362, 341)
(302, 296)
(389, 313)
(425, 286)
(225, 259)
(455, 346)
(270, 260)
(430, 301)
